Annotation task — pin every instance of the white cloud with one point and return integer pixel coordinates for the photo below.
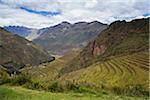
(71, 10)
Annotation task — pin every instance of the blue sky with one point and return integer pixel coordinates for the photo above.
(44, 13)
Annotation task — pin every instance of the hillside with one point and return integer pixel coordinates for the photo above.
(123, 72)
(17, 52)
(120, 38)
(65, 37)
(48, 72)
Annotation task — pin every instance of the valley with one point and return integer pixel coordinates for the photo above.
(114, 65)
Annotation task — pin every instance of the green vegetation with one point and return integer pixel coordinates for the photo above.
(3, 73)
(18, 93)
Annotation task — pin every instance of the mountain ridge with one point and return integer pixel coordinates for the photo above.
(65, 36)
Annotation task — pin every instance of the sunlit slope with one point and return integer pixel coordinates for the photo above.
(49, 71)
(118, 71)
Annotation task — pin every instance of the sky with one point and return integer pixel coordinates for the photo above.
(45, 13)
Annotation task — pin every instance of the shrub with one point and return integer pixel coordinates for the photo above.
(16, 80)
(33, 85)
(20, 79)
(83, 89)
(4, 81)
(55, 87)
(71, 86)
(132, 90)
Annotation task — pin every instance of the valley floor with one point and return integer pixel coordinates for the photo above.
(19, 93)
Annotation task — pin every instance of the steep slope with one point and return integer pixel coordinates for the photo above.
(17, 52)
(120, 38)
(64, 37)
(122, 72)
(28, 33)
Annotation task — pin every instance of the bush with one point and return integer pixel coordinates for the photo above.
(132, 90)
(83, 89)
(4, 81)
(16, 80)
(20, 80)
(55, 87)
(33, 85)
(71, 86)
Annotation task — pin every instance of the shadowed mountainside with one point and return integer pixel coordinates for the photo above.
(17, 52)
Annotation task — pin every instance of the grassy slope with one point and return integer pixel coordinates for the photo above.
(18, 93)
(119, 71)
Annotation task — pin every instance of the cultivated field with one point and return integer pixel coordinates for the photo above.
(117, 72)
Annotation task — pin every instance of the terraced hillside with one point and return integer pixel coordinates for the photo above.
(118, 71)
(49, 71)
(121, 71)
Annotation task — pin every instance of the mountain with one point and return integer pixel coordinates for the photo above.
(120, 38)
(64, 37)
(116, 60)
(28, 33)
(17, 52)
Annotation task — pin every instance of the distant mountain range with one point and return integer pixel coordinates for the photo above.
(17, 52)
(63, 37)
(28, 33)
